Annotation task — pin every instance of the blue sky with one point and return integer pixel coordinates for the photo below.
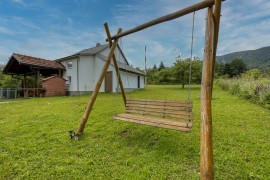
(52, 29)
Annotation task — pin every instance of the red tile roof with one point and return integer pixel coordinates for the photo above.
(29, 60)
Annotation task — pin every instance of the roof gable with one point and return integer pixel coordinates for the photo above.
(93, 50)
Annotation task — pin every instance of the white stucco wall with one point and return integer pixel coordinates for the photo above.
(86, 73)
(71, 72)
(130, 80)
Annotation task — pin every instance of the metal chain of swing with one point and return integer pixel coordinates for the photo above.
(190, 66)
(191, 51)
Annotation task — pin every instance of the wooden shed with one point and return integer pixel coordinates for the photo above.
(54, 86)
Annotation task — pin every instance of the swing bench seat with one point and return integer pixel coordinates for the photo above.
(170, 114)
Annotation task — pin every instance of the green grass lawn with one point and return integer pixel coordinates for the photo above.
(35, 143)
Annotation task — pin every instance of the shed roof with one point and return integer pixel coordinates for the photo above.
(125, 67)
(53, 76)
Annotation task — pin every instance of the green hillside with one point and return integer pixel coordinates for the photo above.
(259, 58)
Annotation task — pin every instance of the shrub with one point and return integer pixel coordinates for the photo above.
(256, 90)
(235, 89)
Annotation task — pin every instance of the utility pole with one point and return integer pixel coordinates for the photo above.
(145, 72)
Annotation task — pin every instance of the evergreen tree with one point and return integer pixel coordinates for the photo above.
(161, 66)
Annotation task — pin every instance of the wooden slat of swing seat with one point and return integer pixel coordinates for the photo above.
(172, 103)
(145, 112)
(171, 114)
(154, 121)
(162, 111)
(158, 107)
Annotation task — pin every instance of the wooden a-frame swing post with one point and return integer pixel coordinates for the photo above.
(207, 170)
(97, 87)
(115, 64)
(211, 40)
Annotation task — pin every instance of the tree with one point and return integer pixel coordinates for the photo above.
(235, 68)
(164, 76)
(7, 81)
(219, 69)
(196, 71)
(253, 74)
(227, 69)
(181, 71)
(161, 66)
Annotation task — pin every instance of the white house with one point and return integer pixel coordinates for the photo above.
(84, 68)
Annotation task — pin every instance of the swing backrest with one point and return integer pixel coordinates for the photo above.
(168, 109)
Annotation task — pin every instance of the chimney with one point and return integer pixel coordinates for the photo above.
(98, 44)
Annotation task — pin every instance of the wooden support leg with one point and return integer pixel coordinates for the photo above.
(116, 65)
(206, 169)
(97, 87)
(217, 12)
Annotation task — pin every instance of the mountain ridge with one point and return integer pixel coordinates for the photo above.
(258, 58)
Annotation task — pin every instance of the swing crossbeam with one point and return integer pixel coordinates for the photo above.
(211, 40)
(195, 7)
(170, 114)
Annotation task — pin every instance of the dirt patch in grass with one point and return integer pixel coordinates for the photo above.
(124, 133)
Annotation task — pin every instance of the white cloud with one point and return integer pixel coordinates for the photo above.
(244, 25)
(18, 1)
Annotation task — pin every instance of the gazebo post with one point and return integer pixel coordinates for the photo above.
(37, 78)
(25, 94)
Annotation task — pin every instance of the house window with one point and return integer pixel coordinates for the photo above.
(68, 79)
(69, 64)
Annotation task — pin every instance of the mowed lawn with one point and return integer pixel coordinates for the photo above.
(35, 144)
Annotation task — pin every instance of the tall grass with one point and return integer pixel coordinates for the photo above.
(255, 90)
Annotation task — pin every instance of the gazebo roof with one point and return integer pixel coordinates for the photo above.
(22, 64)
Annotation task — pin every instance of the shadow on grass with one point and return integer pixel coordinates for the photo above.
(161, 142)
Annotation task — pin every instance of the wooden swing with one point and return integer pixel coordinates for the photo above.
(169, 114)
(211, 40)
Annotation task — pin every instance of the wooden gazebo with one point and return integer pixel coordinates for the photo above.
(24, 65)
